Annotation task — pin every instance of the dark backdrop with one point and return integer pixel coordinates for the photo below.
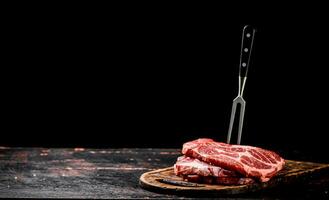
(160, 79)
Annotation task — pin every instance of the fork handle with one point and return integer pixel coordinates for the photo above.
(248, 35)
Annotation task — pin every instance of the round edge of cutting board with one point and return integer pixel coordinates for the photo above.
(295, 170)
(146, 181)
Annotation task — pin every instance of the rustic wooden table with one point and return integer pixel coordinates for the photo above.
(103, 173)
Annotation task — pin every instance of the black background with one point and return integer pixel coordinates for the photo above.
(158, 78)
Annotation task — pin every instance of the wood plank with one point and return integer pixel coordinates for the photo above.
(293, 171)
(79, 173)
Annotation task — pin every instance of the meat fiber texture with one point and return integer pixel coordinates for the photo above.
(195, 170)
(252, 162)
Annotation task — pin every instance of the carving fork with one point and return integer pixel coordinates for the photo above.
(248, 34)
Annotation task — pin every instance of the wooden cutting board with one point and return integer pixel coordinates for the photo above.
(293, 171)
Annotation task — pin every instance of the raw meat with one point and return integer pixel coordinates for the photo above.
(195, 170)
(247, 160)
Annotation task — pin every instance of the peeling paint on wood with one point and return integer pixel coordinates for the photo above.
(78, 173)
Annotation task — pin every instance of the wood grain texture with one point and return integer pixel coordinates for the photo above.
(106, 174)
(293, 171)
(79, 173)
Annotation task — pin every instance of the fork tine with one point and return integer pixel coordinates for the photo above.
(231, 122)
(243, 106)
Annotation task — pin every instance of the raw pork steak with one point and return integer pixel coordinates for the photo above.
(195, 170)
(246, 160)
